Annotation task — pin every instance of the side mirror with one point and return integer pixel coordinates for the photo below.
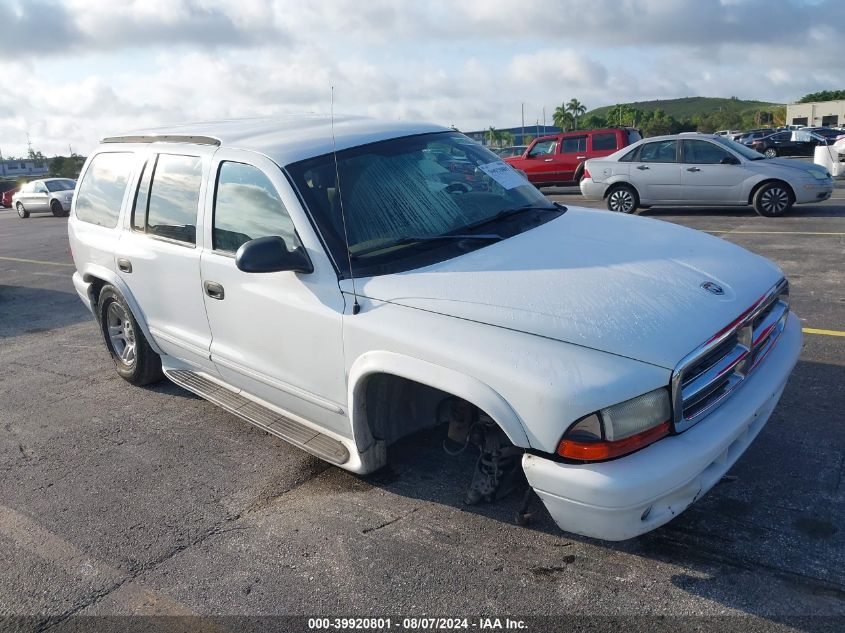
(271, 255)
(729, 160)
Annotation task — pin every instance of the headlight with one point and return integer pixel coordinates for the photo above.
(620, 429)
(818, 174)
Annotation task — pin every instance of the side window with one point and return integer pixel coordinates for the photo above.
(574, 144)
(40, 187)
(627, 158)
(247, 206)
(101, 192)
(634, 136)
(174, 196)
(543, 147)
(703, 153)
(658, 152)
(604, 141)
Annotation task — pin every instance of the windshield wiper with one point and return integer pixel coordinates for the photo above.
(421, 239)
(507, 213)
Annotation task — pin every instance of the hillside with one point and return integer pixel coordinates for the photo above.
(688, 107)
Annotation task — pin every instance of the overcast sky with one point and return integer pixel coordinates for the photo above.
(76, 70)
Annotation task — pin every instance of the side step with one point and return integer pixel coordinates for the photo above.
(298, 434)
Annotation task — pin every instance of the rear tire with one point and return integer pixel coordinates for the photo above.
(134, 359)
(22, 213)
(773, 199)
(622, 199)
(56, 209)
(771, 153)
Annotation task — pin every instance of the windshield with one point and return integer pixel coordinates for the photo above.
(60, 185)
(401, 193)
(739, 148)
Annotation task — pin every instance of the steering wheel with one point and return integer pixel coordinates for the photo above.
(458, 187)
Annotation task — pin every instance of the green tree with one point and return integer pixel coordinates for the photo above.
(576, 109)
(494, 136)
(823, 95)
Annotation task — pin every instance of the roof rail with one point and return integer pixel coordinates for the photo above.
(163, 138)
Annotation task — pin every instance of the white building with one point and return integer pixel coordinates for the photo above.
(820, 113)
(24, 167)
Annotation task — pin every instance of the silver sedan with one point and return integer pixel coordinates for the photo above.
(702, 170)
(52, 195)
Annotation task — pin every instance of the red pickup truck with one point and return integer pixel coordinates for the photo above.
(559, 159)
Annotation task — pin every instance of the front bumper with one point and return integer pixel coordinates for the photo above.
(813, 190)
(592, 190)
(626, 497)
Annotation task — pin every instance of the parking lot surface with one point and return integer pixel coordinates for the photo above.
(123, 500)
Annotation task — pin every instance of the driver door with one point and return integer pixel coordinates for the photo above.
(537, 164)
(705, 179)
(39, 198)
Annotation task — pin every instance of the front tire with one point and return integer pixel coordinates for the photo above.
(134, 359)
(56, 209)
(623, 199)
(22, 213)
(770, 153)
(773, 200)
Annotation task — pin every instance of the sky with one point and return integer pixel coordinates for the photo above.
(74, 71)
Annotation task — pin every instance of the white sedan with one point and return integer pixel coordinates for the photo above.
(701, 170)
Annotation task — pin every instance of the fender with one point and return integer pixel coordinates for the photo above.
(91, 271)
(448, 380)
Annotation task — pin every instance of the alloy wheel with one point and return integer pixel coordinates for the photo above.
(121, 333)
(770, 153)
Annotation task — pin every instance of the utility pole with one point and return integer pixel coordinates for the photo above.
(544, 120)
(28, 146)
(522, 140)
(2, 164)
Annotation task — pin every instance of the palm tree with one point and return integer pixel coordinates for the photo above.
(576, 109)
(494, 136)
(561, 117)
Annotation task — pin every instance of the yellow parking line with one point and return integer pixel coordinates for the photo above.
(733, 232)
(35, 261)
(809, 330)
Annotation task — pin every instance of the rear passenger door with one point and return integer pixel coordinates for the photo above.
(655, 172)
(277, 336)
(158, 255)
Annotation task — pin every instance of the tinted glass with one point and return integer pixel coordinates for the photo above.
(543, 147)
(247, 206)
(703, 153)
(634, 136)
(604, 141)
(659, 152)
(60, 185)
(627, 158)
(783, 136)
(101, 191)
(573, 144)
(402, 194)
(174, 196)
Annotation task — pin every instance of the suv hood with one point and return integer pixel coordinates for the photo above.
(620, 284)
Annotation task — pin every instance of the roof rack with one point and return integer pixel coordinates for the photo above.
(163, 138)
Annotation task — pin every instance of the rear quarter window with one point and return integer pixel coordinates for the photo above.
(101, 191)
(604, 141)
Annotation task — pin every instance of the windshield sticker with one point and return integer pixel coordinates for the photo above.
(504, 174)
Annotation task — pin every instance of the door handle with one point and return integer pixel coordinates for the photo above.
(124, 265)
(642, 166)
(548, 160)
(693, 169)
(214, 290)
(580, 157)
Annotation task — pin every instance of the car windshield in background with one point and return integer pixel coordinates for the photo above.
(60, 185)
(416, 200)
(739, 148)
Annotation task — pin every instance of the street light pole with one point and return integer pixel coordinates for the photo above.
(522, 140)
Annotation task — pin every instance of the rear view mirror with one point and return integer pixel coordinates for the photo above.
(729, 160)
(271, 255)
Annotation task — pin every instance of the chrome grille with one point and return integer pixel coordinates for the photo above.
(709, 374)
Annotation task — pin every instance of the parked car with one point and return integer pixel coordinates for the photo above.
(559, 159)
(826, 132)
(7, 190)
(52, 195)
(706, 170)
(507, 152)
(749, 137)
(786, 144)
(342, 300)
(728, 133)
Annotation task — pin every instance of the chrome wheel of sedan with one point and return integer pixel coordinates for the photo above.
(121, 333)
(622, 199)
(770, 153)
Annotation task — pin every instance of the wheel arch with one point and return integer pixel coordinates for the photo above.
(453, 383)
(767, 181)
(97, 277)
(621, 183)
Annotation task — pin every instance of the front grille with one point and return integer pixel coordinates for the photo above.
(712, 372)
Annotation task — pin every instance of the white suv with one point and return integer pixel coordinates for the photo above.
(344, 299)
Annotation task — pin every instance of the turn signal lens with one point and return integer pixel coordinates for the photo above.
(594, 451)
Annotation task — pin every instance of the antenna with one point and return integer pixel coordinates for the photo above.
(356, 307)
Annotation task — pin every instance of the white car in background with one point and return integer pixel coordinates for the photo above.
(702, 170)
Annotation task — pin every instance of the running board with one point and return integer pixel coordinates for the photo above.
(298, 434)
